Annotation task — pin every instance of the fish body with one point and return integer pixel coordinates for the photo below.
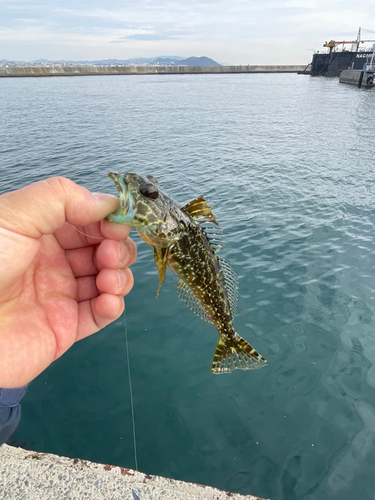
(186, 240)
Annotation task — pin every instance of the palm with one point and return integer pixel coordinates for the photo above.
(51, 292)
(56, 299)
(57, 286)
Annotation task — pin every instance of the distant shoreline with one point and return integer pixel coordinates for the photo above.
(35, 71)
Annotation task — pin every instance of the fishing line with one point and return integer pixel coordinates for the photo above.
(84, 234)
(128, 361)
(131, 394)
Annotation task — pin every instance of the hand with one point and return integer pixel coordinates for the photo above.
(57, 286)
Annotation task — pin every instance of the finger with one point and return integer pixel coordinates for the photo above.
(70, 236)
(110, 254)
(86, 288)
(43, 207)
(114, 231)
(97, 313)
(82, 261)
(114, 282)
(116, 254)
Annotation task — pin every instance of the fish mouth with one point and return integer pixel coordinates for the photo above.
(124, 213)
(122, 187)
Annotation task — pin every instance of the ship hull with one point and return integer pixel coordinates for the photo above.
(332, 64)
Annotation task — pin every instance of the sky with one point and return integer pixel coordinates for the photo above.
(228, 31)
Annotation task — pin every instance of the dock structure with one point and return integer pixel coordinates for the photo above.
(42, 476)
(37, 71)
(360, 78)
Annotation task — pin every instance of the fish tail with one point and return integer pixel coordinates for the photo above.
(236, 353)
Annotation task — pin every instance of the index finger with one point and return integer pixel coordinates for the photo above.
(114, 231)
(43, 207)
(71, 237)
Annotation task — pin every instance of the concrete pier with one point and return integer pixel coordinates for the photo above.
(359, 77)
(142, 70)
(40, 476)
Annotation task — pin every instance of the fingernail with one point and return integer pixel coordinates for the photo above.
(105, 197)
(120, 303)
(123, 253)
(121, 280)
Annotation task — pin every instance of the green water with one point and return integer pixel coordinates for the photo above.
(288, 162)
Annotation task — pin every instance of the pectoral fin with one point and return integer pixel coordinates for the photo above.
(160, 256)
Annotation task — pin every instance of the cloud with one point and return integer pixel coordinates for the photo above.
(234, 31)
(148, 37)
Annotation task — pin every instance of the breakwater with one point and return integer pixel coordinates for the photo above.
(42, 476)
(142, 70)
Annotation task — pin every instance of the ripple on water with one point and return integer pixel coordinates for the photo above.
(287, 163)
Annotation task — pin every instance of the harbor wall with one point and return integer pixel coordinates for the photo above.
(41, 476)
(142, 70)
(350, 76)
(361, 78)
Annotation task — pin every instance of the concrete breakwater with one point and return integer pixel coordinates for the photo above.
(141, 70)
(41, 476)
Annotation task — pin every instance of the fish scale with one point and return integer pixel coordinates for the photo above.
(204, 276)
(183, 240)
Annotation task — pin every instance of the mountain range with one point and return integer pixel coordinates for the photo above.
(161, 60)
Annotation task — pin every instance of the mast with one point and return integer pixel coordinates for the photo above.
(358, 38)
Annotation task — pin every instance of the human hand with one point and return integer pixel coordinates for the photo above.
(57, 286)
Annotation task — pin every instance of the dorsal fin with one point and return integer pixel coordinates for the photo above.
(199, 209)
(214, 235)
(202, 214)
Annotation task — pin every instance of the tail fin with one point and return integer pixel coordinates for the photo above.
(236, 353)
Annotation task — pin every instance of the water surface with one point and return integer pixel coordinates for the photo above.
(288, 162)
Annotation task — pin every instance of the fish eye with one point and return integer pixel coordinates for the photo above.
(149, 191)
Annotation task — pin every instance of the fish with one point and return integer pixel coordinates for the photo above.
(187, 240)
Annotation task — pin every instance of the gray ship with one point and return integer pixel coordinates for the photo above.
(333, 62)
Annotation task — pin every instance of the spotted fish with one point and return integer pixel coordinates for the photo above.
(187, 239)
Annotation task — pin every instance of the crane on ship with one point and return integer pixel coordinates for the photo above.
(333, 43)
(333, 61)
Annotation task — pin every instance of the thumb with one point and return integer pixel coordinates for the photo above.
(43, 207)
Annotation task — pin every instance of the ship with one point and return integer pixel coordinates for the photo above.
(333, 62)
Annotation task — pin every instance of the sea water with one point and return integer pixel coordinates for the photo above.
(288, 163)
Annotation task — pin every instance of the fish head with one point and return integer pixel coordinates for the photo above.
(145, 206)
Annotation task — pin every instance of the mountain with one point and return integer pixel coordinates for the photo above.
(161, 60)
(165, 61)
(199, 61)
(190, 61)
